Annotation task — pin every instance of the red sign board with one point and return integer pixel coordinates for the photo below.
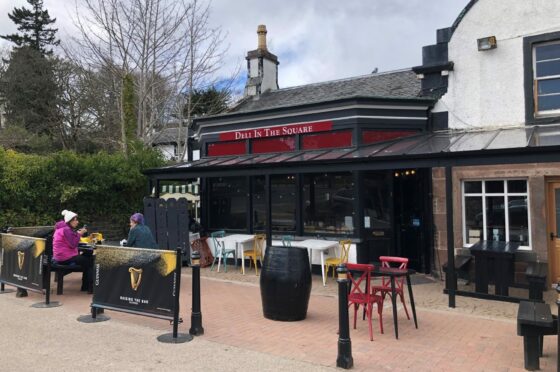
(284, 130)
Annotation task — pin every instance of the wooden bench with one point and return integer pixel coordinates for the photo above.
(534, 320)
(536, 276)
(462, 264)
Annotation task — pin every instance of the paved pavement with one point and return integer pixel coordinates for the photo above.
(476, 336)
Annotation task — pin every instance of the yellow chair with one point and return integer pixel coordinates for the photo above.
(335, 261)
(256, 252)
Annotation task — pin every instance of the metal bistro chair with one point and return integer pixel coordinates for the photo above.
(220, 251)
(287, 240)
(364, 296)
(342, 258)
(256, 252)
(385, 288)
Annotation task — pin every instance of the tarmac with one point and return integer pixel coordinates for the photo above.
(476, 335)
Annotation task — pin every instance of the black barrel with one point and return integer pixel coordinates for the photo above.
(285, 283)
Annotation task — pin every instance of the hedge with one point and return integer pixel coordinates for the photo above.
(34, 189)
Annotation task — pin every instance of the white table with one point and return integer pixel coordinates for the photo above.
(316, 245)
(238, 240)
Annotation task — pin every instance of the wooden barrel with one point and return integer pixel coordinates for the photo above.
(285, 283)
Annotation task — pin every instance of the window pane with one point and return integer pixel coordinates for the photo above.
(473, 187)
(328, 202)
(277, 144)
(517, 186)
(518, 220)
(377, 199)
(494, 186)
(283, 192)
(495, 218)
(549, 102)
(548, 68)
(473, 219)
(549, 86)
(226, 148)
(228, 206)
(327, 140)
(550, 51)
(259, 204)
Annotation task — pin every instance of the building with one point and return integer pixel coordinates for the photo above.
(420, 163)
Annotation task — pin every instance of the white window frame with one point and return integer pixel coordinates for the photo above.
(506, 196)
(536, 81)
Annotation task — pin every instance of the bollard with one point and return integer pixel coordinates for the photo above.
(558, 327)
(196, 315)
(344, 358)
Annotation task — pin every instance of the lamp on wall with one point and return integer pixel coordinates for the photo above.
(487, 43)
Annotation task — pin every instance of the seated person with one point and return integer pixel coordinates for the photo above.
(65, 247)
(140, 235)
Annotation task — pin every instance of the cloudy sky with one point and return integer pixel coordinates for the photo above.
(315, 40)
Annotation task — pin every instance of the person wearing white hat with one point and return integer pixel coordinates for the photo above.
(65, 247)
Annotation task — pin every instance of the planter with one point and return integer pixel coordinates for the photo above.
(285, 283)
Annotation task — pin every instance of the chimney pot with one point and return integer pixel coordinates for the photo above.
(261, 32)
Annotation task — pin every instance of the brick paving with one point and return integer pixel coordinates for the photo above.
(476, 336)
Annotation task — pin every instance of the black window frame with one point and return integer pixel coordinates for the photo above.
(528, 45)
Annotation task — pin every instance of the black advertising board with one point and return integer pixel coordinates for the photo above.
(137, 280)
(21, 261)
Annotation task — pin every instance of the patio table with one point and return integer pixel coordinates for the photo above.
(317, 245)
(238, 240)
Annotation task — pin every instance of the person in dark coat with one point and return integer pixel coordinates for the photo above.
(140, 235)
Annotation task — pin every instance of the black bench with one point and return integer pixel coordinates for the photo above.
(534, 320)
(536, 276)
(462, 265)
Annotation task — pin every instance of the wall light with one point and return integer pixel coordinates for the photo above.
(487, 43)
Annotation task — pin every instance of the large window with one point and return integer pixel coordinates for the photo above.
(228, 203)
(546, 74)
(328, 203)
(259, 204)
(496, 210)
(284, 202)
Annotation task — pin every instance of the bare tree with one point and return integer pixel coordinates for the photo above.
(166, 46)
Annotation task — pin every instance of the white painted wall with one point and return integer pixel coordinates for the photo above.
(270, 70)
(486, 88)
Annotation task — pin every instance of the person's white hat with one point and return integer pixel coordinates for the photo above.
(68, 215)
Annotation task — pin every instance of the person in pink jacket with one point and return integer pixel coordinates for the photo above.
(65, 247)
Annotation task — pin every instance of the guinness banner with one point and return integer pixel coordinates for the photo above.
(21, 261)
(136, 280)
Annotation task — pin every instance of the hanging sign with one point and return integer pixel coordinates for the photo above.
(284, 130)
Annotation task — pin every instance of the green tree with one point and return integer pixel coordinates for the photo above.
(34, 27)
(209, 101)
(30, 92)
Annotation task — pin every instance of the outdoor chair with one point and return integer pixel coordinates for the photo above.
(360, 294)
(385, 288)
(342, 258)
(256, 252)
(220, 251)
(287, 240)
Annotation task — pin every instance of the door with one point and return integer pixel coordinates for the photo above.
(553, 223)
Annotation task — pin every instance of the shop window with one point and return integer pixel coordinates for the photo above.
(373, 136)
(542, 77)
(278, 144)
(227, 148)
(283, 193)
(328, 203)
(496, 210)
(259, 204)
(327, 140)
(228, 203)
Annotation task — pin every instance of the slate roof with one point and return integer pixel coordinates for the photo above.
(400, 84)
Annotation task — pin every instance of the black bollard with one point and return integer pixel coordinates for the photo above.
(196, 315)
(344, 358)
(558, 327)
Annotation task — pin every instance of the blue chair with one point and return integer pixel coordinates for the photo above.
(287, 240)
(220, 252)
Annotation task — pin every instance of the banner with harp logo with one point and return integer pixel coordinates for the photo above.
(136, 280)
(21, 261)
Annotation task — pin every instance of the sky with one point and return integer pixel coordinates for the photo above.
(315, 40)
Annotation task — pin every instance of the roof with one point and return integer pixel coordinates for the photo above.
(447, 145)
(400, 84)
(168, 135)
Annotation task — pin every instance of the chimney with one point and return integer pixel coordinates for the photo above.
(262, 67)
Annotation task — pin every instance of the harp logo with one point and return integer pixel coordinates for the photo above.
(135, 277)
(20, 259)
